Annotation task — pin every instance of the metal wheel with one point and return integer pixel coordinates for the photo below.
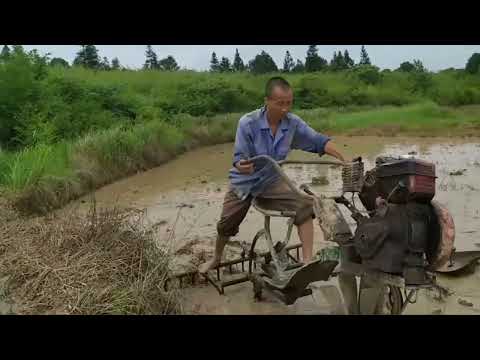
(252, 254)
(392, 302)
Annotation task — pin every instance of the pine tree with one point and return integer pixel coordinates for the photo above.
(5, 54)
(299, 67)
(224, 65)
(214, 64)
(364, 59)
(115, 64)
(105, 64)
(88, 57)
(288, 64)
(151, 60)
(80, 58)
(17, 50)
(262, 64)
(333, 62)
(92, 60)
(313, 62)
(473, 64)
(238, 64)
(341, 65)
(348, 60)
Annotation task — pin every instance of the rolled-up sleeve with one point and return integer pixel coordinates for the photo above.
(241, 149)
(307, 139)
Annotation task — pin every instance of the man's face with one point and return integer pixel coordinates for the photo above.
(280, 102)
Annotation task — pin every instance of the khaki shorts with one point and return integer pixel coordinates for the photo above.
(277, 197)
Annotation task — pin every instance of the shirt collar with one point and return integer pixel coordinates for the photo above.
(264, 123)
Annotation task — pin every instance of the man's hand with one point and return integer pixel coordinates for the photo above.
(245, 166)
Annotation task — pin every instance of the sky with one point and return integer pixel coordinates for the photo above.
(197, 57)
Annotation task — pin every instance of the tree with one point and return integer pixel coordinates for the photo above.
(288, 63)
(80, 58)
(299, 67)
(369, 74)
(5, 54)
(92, 60)
(17, 50)
(224, 65)
(38, 63)
(214, 64)
(238, 64)
(421, 78)
(262, 64)
(59, 62)
(151, 60)
(115, 64)
(168, 64)
(364, 59)
(348, 60)
(105, 64)
(473, 64)
(87, 57)
(313, 62)
(418, 66)
(406, 66)
(338, 62)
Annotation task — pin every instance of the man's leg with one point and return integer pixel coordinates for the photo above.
(305, 233)
(217, 256)
(233, 213)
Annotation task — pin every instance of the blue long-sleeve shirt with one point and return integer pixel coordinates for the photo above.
(254, 137)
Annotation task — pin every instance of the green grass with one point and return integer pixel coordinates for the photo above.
(418, 118)
(31, 165)
(66, 104)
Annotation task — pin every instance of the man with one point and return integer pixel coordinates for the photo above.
(274, 131)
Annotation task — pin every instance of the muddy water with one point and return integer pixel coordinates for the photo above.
(183, 200)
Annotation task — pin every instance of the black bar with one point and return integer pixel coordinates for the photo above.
(236, 281)
(234, 262)
(220, 290)
(291, 257)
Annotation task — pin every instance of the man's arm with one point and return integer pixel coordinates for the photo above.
(307, 139)
(332, 151)
(241, 149)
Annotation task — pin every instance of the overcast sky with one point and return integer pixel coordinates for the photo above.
(197, 57)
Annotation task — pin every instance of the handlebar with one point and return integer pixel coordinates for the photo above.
(278, 167)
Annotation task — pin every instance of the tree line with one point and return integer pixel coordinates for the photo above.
(262, 63)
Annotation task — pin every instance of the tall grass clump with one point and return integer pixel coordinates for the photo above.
(105, 262)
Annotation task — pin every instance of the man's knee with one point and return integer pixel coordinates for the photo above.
(226, 229)
(304, 214)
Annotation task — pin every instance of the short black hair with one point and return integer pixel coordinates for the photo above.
(274, 82)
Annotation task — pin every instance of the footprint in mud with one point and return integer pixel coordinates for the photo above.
(458, 172)
(465, 302)
(159, 224)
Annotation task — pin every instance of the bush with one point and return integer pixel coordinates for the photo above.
(369, 75)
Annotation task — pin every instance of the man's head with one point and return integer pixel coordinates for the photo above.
(278, 97)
